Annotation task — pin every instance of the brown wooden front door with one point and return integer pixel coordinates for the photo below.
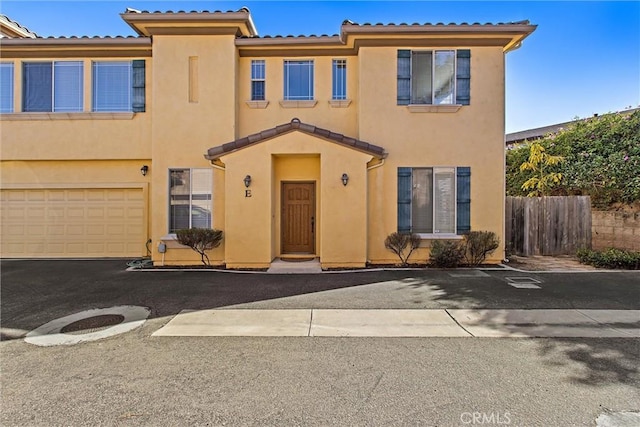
(298, 217)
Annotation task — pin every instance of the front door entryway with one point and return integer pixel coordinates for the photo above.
(298, 217)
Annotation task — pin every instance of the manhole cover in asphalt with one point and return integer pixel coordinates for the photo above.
(92, 324)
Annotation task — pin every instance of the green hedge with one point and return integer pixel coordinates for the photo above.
(610, 258)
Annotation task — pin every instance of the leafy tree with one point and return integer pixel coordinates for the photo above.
(539, 163)
(601, 159)
(200, 240)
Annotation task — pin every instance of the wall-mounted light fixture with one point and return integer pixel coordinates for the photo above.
(247, 181)
(144, 169)
(345, 179)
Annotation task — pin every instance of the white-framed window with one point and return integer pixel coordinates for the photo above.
(433, 77)
(434, 200)
(258, 80)
(112, 86)
(52, 86)
(339, 79)
(298, 80)
(6, 87)
(190, 198)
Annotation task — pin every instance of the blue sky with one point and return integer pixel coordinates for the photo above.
(584, 58)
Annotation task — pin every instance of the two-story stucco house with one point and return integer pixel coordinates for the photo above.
(315, 146)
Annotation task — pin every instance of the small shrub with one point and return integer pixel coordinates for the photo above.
(446, 253)
(200, 240)
(398, 243)
(478, 245)
(610, 258)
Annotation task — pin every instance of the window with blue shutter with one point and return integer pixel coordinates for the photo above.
(434, 77)
(463, 77)
(404, 77)
(404, 200)
(463, 200)
(434, 200)
(138, 71)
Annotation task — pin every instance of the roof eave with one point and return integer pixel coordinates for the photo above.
(146, 24)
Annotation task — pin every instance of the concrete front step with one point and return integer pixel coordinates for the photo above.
(405, 323)
(292, 267)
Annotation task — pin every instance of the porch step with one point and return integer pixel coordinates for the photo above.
(287, 267)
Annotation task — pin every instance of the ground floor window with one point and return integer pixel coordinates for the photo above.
(190, 194)
(434, 200)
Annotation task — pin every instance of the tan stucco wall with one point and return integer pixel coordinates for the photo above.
(192, 110)
(75, 136)
(183, 130)
(473, 136)
(342, 120)
(252, 222)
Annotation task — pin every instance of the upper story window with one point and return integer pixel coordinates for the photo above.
(52, 86)
(6, 87)
(257, 80)
(434, 77)
(118, 86)
(339, 77)
(190, 198)
(298, 80)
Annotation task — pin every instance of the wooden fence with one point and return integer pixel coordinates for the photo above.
(552, 225)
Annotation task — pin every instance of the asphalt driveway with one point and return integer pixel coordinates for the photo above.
(137, 379)
(35, 292)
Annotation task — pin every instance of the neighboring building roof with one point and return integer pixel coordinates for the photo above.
(295, 125)
(541, 132)
(12, 29)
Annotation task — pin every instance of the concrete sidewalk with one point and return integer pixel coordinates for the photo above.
(516, 323)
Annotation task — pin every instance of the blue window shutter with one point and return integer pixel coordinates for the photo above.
(404, 77)
(405, 187)
(37, 86)
(463, 77)
(138, 102)
(463, 206)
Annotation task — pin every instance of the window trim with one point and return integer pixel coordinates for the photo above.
(94, 108)
(210, 194)
(254, 79)
(286, 97)
(11, 91)
(342, 84)
(53, 63)
(433, 77)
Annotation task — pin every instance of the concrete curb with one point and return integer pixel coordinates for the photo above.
(50, 333)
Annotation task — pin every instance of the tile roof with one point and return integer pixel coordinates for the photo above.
(295, 125)
(347, 25)
(15, 26)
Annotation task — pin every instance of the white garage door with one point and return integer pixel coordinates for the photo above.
(72, 223)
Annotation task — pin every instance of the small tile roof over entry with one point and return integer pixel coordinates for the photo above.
(295, 125)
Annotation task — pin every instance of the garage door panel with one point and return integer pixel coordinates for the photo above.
(56, 195)
(72, 223)
(116, 195)
(35, 196)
